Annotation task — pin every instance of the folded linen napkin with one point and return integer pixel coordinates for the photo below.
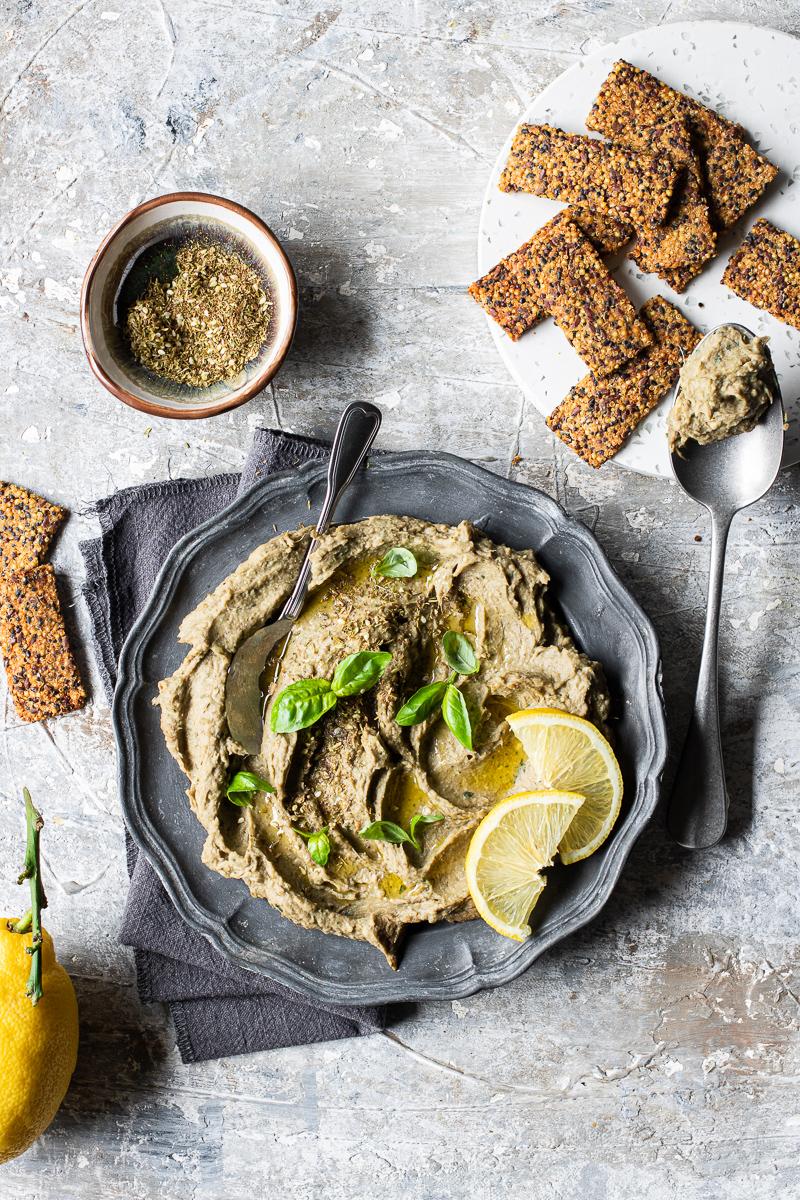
(218, 1008)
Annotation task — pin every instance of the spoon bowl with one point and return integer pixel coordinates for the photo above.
(731, 474)
(724, 477)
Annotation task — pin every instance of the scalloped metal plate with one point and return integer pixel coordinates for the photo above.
(440, 962)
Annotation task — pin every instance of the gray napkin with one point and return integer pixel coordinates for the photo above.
(218, 1009)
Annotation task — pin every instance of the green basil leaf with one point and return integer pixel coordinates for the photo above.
(459, 652)
(243, 786)
(422, 819)
(359, 672)
(385, 831)
(422, 704)
(300, 705)
(319, 844)
(397, 563)
(456, 716)
(319, 847)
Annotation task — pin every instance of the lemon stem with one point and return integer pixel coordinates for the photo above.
(23, 925)
(32, 921)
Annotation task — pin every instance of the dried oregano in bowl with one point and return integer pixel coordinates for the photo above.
(206, 323)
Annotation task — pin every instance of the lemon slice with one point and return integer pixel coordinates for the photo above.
(513, 843)
(566, 752)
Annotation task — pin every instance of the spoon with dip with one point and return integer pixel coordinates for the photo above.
(244, 701)
(724, 476)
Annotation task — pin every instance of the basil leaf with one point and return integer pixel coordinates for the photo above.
(243, 785)
(319, 847)
(389, 831)
(300, 705)
(424, 702)
(359, 672)
(456, 716)
(385, 831)
(319, 844)
(422, 819)
(459, 652)
(397, 563)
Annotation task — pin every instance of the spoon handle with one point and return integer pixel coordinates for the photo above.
(698, 811)
(358, 427)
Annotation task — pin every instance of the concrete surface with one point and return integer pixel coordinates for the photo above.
(658, 1052)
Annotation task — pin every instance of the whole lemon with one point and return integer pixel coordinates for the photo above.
(38, 1043)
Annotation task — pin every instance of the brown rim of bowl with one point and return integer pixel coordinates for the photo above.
(209, 410)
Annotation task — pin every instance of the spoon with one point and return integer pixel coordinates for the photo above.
(244, 704)
(724, 477)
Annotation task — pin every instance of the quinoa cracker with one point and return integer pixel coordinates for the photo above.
(27, 525)
(508, 297)
(765, 271)
(599, 415)
(582, 170)
(735, 173)
(573, 284)
(686, 237)
(42, 675)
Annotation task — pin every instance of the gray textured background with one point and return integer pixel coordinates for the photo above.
(659, 1051)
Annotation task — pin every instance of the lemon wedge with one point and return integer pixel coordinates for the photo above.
(509, 849)
(568, 753)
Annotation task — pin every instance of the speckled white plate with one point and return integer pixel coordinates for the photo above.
(749, 74)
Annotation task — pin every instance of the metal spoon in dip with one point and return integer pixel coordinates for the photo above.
(725, 477)
(244, 703)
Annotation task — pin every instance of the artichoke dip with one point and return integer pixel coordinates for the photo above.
(356, 765)
(724, 388)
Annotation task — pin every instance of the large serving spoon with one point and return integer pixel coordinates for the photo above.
(724, 477)
(244, 702)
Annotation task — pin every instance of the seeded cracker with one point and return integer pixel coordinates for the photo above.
(582, 170)
(686, 238)
(43, 679)
(572, 283)
(735, 173)
(505, 292)
(27, 525)
(765, 271)
(507, 297)
(679, 278)
(599, 415)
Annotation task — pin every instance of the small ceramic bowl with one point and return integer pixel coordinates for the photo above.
(143, 245)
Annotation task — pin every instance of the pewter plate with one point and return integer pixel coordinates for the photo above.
(439, 962)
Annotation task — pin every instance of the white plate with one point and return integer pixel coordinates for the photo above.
(749, 74)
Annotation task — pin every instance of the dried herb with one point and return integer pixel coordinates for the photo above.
(203, 325)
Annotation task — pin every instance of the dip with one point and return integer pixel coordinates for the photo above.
(724, 389)
(357, 765)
